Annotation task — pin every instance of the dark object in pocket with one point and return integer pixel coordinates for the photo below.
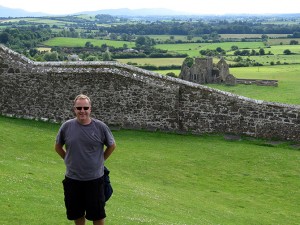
(108, 190)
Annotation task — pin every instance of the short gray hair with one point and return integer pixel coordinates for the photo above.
(82, 96)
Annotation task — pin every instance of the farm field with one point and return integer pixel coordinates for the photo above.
(266, 60)
(275, 49)
(50, 22)
(192, 49)
(279, 41)
(239, 36)
(287, 92)
(80, 42)
(220, 181)
(153, 61)
(288, 74)
(184, 38)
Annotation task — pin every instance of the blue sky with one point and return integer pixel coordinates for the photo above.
(188, 6)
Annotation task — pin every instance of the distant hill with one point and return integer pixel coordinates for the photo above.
(136, 12)
(10, 12)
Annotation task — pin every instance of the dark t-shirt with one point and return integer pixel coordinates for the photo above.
(84, 148)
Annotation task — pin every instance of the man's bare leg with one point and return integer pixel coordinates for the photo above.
(80, 221)
(98, 222)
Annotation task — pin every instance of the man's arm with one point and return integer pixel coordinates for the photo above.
(60, 150)
(109, 150)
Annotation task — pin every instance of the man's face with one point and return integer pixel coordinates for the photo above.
(82, 109)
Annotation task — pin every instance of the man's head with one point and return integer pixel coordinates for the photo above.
(82, 108)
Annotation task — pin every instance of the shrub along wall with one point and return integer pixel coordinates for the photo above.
(129, 97)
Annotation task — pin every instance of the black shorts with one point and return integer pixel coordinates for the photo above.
(84, 198)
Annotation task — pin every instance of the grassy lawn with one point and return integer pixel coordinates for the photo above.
(158, 178)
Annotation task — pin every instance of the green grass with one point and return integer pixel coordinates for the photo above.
(80, 42)
(288, 86)
(278, 41)
(158, 178)
(176, 38)
(240, 36)
(266, 60)
(193, 49)
(288, 90)
(154, 61)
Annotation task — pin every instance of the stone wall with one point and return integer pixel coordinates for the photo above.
(258, 82)
(128, 97)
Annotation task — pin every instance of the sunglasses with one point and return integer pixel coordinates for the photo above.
(80, 108)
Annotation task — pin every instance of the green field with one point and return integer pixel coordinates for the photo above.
(208, 181)
(153, 61)
(266, 60)
(192, 49)
(288, 90)
(240, 36)
(80, 42)
(279, 41)
(275, 49)
(184, 38)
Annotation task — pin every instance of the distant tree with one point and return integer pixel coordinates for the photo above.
(287, 52)
(234, 47)
(144, 41)
(106, 56)
(293, 42)
(124, 37)
(253, 52)
(264, 37)
(219, 49)
(113, 36)
(105, 18)
(188, 61)
(51, 56)
(189, 37)
(88, 44)
(296, 34)
(4, 37)
(33, 52)
(261, 51)
(91, 58)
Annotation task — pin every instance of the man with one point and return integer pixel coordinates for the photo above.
(80, 142)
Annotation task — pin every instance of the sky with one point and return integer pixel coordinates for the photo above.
(200, 7)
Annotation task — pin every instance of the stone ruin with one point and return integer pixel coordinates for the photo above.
(204, 71)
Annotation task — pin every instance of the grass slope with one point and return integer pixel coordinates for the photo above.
(157, 178)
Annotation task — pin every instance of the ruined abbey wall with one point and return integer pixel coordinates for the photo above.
(127, 97)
